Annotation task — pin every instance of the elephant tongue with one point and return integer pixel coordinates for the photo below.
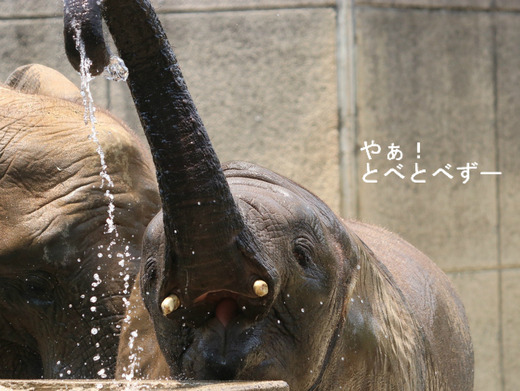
(226, 310)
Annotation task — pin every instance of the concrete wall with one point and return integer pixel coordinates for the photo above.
(300, 85)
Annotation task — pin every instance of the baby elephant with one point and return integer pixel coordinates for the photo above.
(246, 275)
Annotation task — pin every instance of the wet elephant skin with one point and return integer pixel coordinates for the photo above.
(61, 284)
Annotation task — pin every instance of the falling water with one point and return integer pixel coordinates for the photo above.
(89, 116)
(117, 71)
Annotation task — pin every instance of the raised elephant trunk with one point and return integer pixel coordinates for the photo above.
(201, 220)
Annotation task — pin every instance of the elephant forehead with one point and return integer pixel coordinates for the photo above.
(50, 180)
(279, 201)
(270, 201)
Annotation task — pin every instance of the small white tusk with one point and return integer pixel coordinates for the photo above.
(170, 304)
(260, 288)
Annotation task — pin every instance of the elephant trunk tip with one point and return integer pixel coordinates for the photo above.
(83, 34)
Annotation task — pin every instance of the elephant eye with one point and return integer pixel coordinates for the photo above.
(38, 289)
(302, 252)
(149, 274)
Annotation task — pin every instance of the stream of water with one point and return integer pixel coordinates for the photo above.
(117, 71)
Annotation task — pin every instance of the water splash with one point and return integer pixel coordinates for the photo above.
(90, 116)
(116, 70)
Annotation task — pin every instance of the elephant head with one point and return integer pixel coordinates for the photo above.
(247, 275)
(63, 278)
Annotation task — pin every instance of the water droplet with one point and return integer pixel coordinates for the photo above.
(116, 69)
(94, 331)
(102, 373)
(303, 309)
(93, 309)
(93, 299)
(96, 357)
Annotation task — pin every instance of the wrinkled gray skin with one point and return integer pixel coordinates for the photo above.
(349, 306)
(52, 224)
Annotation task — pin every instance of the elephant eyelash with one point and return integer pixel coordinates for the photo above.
(302, 252)
(302, 258)
(149, 274)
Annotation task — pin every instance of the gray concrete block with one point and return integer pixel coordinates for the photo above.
(468, 4)
(426, 76)
(508, 117)
(212, 5)
(512, 5)
(27, 41)
(17, 9)
(479, 293)
(162, 385)
(511, 328)
(265, 86)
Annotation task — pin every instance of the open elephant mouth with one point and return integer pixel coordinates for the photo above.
(223, 306)
(226, 305)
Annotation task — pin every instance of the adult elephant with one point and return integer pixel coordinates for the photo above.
(63, 277)
(246, 275)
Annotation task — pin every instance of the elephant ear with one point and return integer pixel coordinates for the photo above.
(41, 80)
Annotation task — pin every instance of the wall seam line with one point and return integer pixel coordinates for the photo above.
(494, 39)
(346, 85)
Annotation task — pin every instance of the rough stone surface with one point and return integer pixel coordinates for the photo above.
(17, 9)
(511, 324)
(109, 385)
(49, 8)
(264, 83)
(426, 76)
(508, 116)
(467, 4)
(197, 5)
(508, 4)
(479, 292)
